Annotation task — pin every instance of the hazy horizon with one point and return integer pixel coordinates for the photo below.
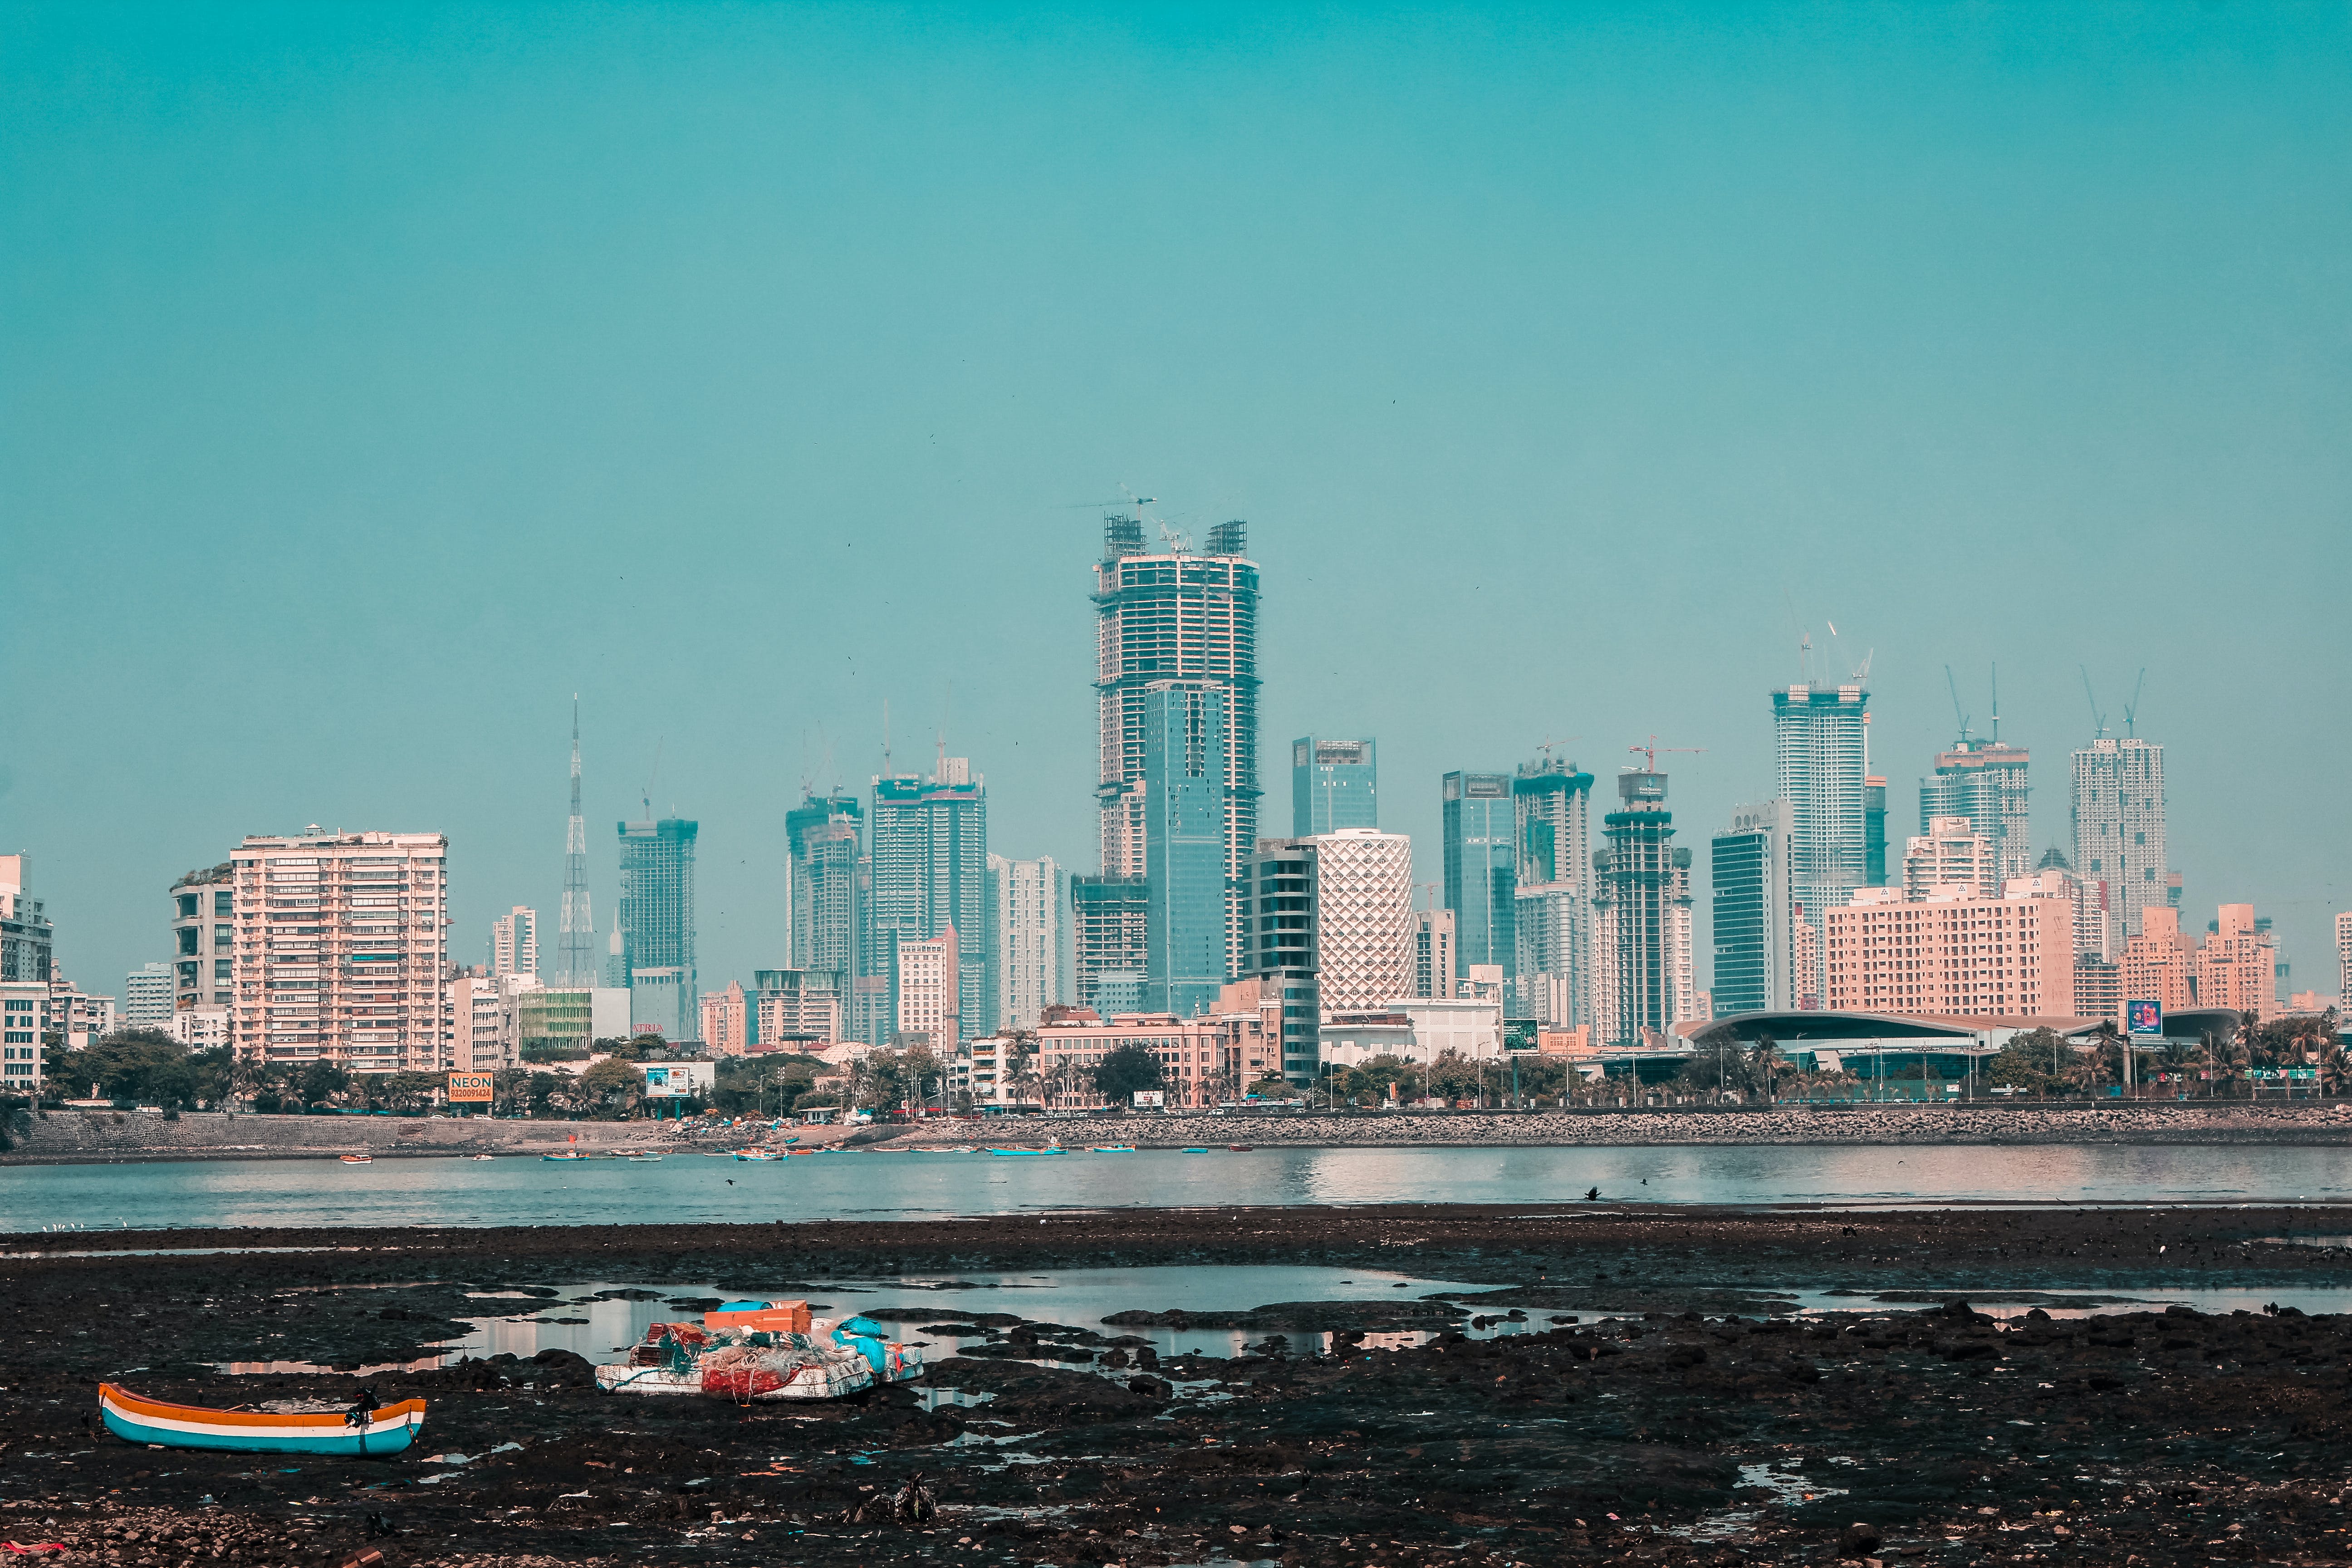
(376, 379)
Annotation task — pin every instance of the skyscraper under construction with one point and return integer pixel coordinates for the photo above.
(1175, 614)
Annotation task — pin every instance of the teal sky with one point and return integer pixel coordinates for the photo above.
(371, 378)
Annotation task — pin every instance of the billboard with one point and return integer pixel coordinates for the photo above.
(678, 1081)
(469, 1088)
(1150, 1100)
(2142, 1018)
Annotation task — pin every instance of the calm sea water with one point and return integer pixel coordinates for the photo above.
(687, 1188)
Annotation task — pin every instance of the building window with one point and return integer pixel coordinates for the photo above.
(188, 935)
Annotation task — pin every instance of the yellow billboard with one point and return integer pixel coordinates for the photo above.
(470, 1087)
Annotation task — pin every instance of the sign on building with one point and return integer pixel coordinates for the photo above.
(1150, 1100)
(469, 1088)
(2144, 1017)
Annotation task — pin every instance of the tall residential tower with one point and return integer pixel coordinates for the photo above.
(1175, 614)
(1333, 785)
(1822, 736)
(656, 926)
(2119, 826)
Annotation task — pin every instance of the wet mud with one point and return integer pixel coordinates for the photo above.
(1660, 1400)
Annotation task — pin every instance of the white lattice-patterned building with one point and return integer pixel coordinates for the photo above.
(1363, 917)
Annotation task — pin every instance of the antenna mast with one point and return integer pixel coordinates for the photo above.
(576, 965)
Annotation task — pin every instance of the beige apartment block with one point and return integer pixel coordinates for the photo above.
(343, 950)
(1208, 1058)
(2237, 966)
(724, 1016)
(1955, 954)
(1950, 854)
(2155, 963)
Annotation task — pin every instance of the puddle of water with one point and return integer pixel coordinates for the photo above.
(2317, 1300)
(943, 1398)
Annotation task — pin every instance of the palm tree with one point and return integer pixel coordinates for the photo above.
(1764, 1062)
(15, 1122)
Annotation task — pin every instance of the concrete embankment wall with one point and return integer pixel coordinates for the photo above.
(2306, 1123)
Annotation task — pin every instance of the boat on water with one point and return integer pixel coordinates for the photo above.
(359, 1158)
(1051, 1149)
(1198, 1149)
(479, 1156)
(756, 1154)
(763, 1351)
(365, 1428)
(1114, 1149)
(1241, 1148)
(641, 1159)
(567, 1154)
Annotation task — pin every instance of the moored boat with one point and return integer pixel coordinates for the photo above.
(359, 1158)
(761, 1351)
(367, 1428)
(567, 1154)
(1113, 1148)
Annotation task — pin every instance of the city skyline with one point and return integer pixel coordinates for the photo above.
(1560, 409)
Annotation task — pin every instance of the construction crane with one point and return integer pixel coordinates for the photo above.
(1956, 712)
(1549, 742)
(2131, 709)
(650, 777)
(2098, 719)
(1650, 752)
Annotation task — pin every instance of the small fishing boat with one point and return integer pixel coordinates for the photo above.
(481, 1156)
(756, 1154)
(1113, 1148)
(1198, 1149)
(1048, 1151)
(366, 1429)
(359, 1158)
(1241, 1148)
(641, 1159)
(749, 1351)
(567, 1154)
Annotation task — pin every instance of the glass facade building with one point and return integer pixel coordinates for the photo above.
(1749, 872)
(1480, 837)
(1184, 788)
(656, 926)
(928, 875)
(1333, 785)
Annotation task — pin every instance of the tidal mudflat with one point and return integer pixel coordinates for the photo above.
(1553, 1381)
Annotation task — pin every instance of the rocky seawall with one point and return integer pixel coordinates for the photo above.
(2311, 1122)
(63, 1137)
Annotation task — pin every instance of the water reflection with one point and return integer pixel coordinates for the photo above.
(515, 1191)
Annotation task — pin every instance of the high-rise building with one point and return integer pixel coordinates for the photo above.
(1755, 958)
(1183, 789)
(1363, 918)
(1027, 899)
(2155, 964)
(1281, 890)
(1333, 785)
(147, 997)
(1951, 853)
(1822, 740)
(823, 841)
(2093, 932)
(726, 1021)
(1109, 918)
(1873, 830)
(1551, 920)
(656, 926)
(1480, 828)
(204, 938)
(477, 1015)
(924, 1006)
(2236, 965)
(928, 875)
(342, 951)
(2344, 956)
(25, 1020)
(514, 942)
(1984, 782)
(1176, 615)
(27, 939)
(575, 956)
(2119, 826)
(796, 1009)
(1642, 981)
(1433, 953)
(1956, 953)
